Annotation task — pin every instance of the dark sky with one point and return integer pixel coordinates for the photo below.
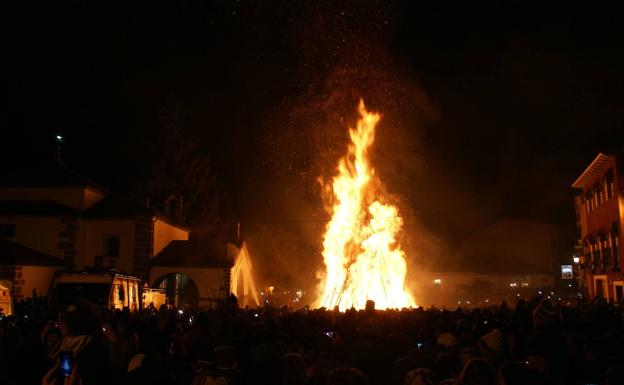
(491, 110)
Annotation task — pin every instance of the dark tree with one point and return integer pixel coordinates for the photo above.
(182, 168)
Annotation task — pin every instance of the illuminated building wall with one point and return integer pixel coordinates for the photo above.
(600, 212)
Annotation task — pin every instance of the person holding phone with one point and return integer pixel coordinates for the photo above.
(52, 338)
(83, 358)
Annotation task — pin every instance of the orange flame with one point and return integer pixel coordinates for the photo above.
(362, 259)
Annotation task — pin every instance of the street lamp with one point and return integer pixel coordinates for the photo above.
(577, 269)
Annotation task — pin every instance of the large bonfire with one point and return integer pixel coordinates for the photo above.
(362, 258)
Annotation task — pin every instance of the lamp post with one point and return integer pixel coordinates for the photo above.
(59, 144)
(577, 269)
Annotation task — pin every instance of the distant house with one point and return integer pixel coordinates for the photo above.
(62, 218)
(600, 213)
(509, 258)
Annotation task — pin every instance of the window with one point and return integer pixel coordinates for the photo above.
(600, 288)
(111, 246)
(598, 193)
(597, 256)
(606, 252)
(609, 183)
(7, 230)
(615, 252)
(590, 200)
(587, 260)
(595, 251)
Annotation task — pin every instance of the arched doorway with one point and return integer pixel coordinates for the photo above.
(180, 290)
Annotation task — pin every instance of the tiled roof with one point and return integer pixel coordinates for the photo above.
(597, 167)
(194, 254)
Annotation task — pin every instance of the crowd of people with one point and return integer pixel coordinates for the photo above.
(531, 342)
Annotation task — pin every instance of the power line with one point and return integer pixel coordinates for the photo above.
(345, 219)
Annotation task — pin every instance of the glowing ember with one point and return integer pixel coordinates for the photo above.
(362, 260)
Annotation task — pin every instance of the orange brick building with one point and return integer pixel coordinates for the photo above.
(600, 213)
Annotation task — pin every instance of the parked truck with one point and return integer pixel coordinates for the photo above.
(107, 290)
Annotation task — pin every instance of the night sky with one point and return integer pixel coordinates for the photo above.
(490, 110)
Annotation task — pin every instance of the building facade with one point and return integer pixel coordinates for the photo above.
(59, 214)
(600, 213)
(193, 273)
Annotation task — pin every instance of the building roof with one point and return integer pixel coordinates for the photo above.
(36, 208)
(109, 207)
(194, 254)
(54, 174)
(12, 254)
(50, 173)
(114, 206)
(596, 166)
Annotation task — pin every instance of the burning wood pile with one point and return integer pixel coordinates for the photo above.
(363, 260)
